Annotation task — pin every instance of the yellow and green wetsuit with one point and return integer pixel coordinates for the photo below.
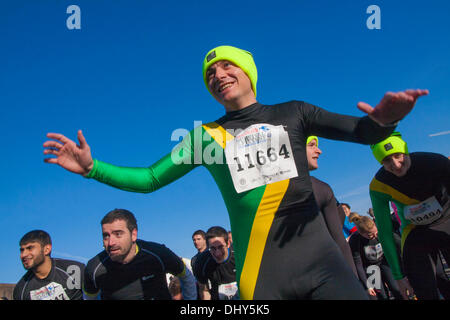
(423, 204)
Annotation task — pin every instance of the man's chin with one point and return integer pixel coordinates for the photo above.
(400, 173)
(28, 267)
(116, 257)
(218, 260)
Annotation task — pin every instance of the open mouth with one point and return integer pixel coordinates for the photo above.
(224, 86)
(114, 250)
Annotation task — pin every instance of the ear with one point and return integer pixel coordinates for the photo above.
(134, 235)
(47, 249)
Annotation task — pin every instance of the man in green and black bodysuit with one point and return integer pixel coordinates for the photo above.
(256, 155)
(418, 183)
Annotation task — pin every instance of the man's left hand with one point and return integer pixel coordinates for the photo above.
(393, 107)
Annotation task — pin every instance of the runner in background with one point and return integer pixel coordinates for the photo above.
(418, 183)
(368, 252)
(327, 202)
(216, 268)
(199, 240)
(133, 269)
(348, 227)
(47, 278)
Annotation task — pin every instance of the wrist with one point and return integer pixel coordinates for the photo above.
(89, 170)
(391, 124)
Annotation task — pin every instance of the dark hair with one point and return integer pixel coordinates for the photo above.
(121, 214)
(346, 204)
(36, 236)
(199, 232)
(217, 231)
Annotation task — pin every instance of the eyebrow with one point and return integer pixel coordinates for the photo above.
(220, 62)
(114, 231)
(27, 246)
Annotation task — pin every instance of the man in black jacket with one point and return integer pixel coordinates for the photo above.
(215, 267)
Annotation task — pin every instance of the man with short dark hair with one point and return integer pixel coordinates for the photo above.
(47, 278)
(133, 269)
(199, 240)
(215, 266)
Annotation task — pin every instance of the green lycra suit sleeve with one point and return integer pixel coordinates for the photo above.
(145, 180)
(380, 205)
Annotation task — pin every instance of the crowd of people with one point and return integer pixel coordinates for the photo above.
(130, 268)
(292, 238)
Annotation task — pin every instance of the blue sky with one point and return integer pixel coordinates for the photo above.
(132, 75)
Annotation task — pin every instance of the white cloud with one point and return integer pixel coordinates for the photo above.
(69, 256)
(439, 134)
(355, 192)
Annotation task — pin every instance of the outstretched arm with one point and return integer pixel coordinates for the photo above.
(377, 125)
(393, 107)
(78, 159)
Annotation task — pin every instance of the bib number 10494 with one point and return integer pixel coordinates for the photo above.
(260, 155)
(425, 212)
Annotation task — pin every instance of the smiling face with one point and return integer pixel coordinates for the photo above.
(312, 153)
(397, 163)
(230, 85)
(32, 254)
(119, 242)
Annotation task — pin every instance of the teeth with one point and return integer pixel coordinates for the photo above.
(223, 87)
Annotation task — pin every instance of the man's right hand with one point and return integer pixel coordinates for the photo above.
(69, 155)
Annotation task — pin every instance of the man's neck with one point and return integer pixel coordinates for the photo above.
(227, 256)
(133, 252)
(239, 104)
(42, 271)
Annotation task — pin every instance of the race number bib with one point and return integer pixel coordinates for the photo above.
(52, 291)
(260, 155)
(373, 253)
(425, 212)
(227, 291)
